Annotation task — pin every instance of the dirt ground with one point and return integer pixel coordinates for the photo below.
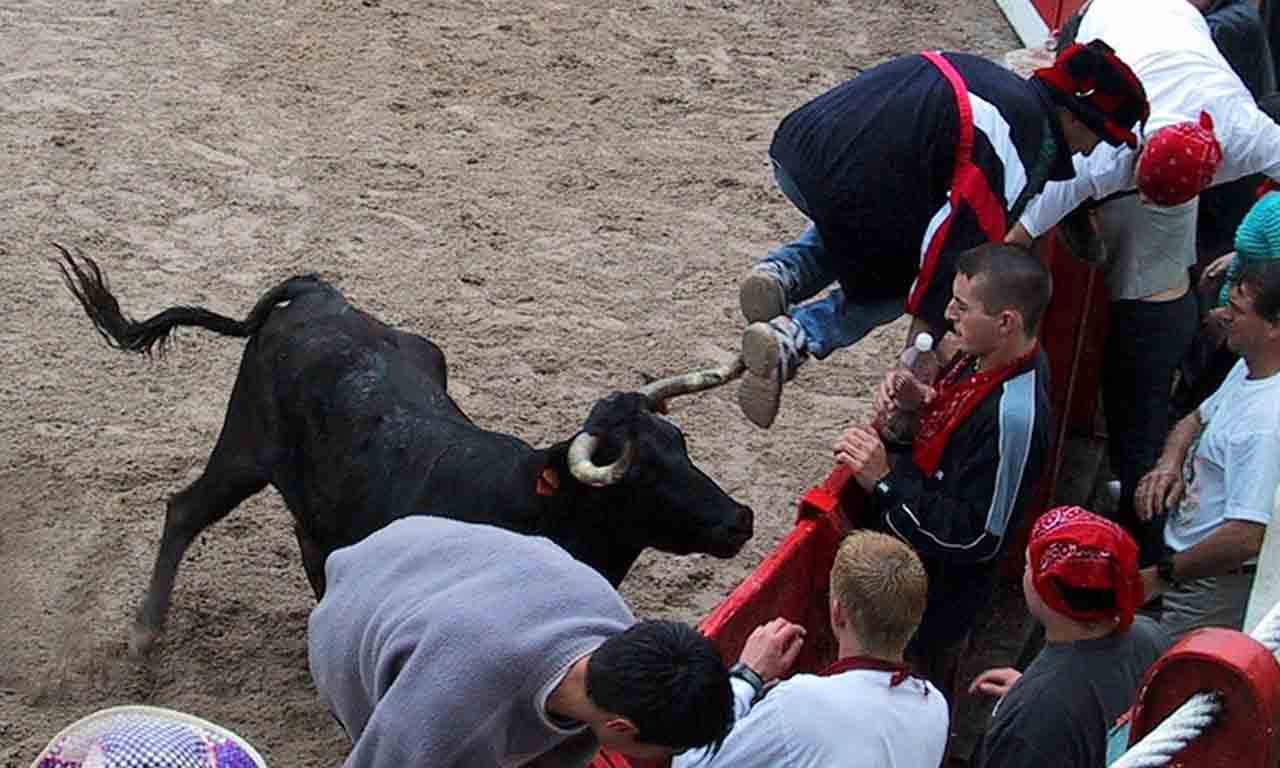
(563, 195)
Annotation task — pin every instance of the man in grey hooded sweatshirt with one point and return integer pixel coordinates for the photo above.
(441, 643)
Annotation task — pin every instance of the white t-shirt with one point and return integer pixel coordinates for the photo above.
(1235, 469)
(1168, 46)
(851, 719)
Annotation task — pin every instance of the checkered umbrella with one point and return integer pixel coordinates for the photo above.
(147, 737)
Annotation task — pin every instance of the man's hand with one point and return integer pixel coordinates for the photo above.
(995, 682)
(1158, 490)
(1211, 278)
(889, 394)
(1018, 236)
(772, 648)
(948, 347)
(860, 449)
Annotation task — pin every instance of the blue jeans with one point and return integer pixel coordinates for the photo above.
(831, 322)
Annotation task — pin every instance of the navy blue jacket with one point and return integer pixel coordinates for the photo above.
(873, 159)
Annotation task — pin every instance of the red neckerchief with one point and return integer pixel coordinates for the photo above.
(957, 397)
(900, 671)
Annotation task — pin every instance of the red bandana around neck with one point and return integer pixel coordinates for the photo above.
(957, 397)
(1074, 547)
(900, 671)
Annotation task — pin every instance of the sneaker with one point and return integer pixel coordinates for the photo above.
(772, 351)
(763, 294)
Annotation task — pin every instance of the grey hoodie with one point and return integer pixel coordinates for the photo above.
(437, 643)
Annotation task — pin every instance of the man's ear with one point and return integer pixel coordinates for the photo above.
(1010, 321)
(838, 619)
(621, 726)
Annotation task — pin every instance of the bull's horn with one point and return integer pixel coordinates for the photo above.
(584, 468)
(688, 383)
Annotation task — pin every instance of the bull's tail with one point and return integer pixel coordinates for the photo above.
(87, 283)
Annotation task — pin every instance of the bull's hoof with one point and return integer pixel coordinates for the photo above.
(142, 641)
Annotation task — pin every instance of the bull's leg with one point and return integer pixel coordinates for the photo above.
(228, 480)
(312, 560)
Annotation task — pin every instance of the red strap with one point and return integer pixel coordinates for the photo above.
(968, 185)
(900, 671)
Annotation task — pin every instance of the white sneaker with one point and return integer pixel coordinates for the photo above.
(763, 293)
(772, 351)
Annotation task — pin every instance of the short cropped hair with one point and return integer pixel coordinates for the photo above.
(882, 588)
(1009, 277)
(1263, 279)
(668, 680)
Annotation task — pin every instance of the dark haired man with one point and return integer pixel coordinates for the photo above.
(1219, 471)
(899, 170)
(979, 449)
(1081, 581)
(455, 645)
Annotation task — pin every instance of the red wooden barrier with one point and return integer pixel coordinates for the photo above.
(1240, 669)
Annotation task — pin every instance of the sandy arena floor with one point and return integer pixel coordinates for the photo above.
(563, 195)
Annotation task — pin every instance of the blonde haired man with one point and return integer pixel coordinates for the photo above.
(864, 709)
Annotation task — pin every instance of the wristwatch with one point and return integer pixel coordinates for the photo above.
(749, 676)
(882, 487)
(1164, 568)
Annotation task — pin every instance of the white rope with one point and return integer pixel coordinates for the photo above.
(1173, 735)
(1268, 630)
(1190, 720)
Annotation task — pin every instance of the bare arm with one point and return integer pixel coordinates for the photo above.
(1162, 487)
(1227, 548)
(1018, 236)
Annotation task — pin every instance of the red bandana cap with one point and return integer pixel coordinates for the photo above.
(1179, 162)
(1099, 89)
(1073, 547)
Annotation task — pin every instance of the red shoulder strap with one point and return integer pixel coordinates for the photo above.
(968, 184)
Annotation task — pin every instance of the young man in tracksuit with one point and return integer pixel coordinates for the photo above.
(899, 170)
(979, 449)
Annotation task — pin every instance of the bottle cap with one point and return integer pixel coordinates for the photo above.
(924, 342)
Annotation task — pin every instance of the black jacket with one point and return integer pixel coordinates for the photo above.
(873, 159)
(959, 518)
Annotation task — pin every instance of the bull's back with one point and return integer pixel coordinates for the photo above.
(358, 410)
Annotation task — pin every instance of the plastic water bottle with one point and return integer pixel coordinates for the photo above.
(898, 426)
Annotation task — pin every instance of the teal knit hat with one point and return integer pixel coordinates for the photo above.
(1257, 239)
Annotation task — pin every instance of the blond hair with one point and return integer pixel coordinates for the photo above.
(882, 587)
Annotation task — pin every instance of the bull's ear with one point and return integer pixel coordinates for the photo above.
(557, 458)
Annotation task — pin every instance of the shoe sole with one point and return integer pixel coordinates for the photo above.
(760, 390)
(762, 298)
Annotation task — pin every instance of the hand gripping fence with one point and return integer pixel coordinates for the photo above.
(1199, 712)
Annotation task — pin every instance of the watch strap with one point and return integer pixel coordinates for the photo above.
(749, 676)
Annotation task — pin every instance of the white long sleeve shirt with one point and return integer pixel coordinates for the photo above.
(1168, 46)
(851, 719)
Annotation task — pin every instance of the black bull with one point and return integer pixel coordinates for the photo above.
(350, 421)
